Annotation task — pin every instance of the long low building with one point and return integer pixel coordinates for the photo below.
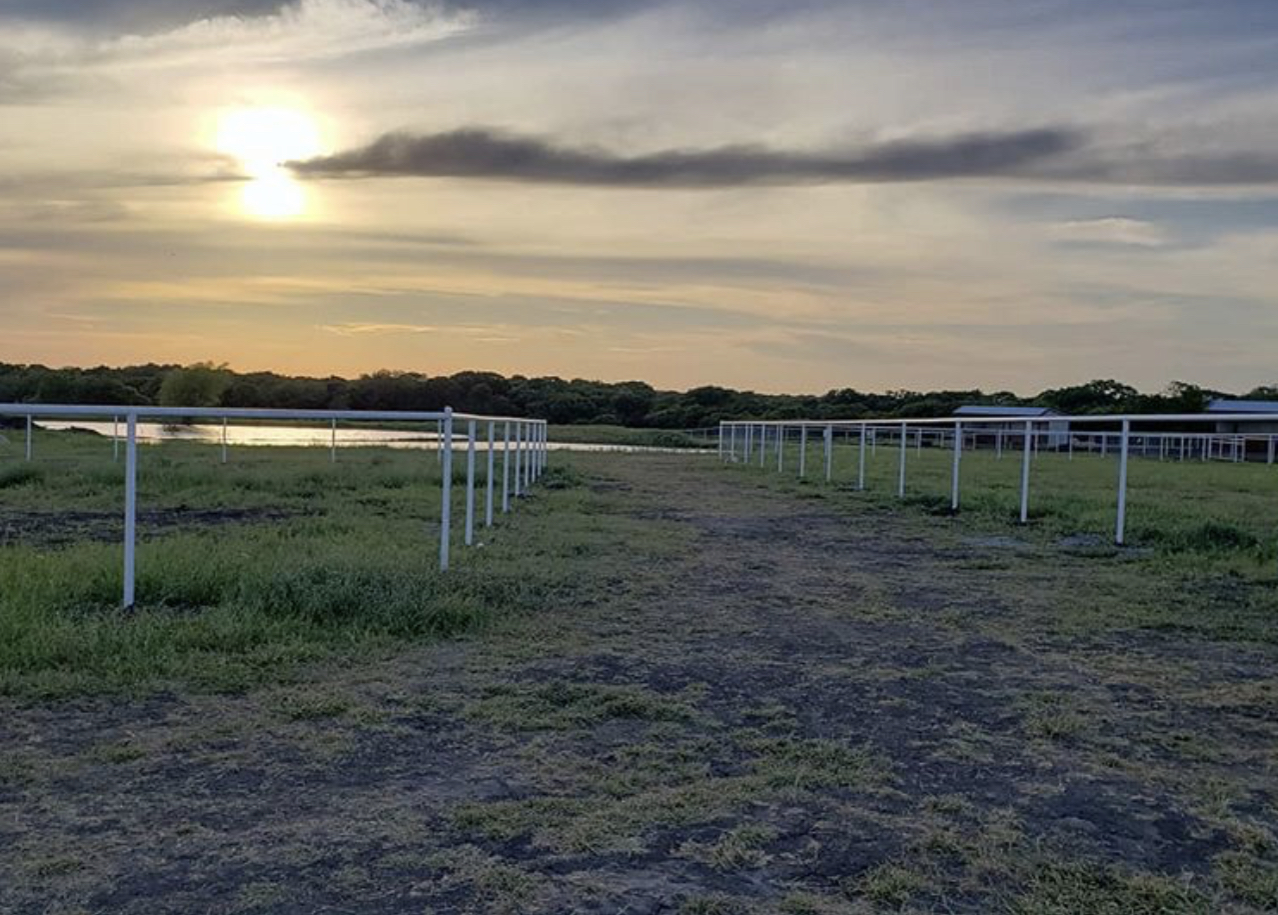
(1057, 431)
(1224, 408)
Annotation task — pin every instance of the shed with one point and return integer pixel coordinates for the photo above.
(1054, 434)
(1224, 408)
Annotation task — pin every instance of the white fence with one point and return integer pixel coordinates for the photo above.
(761, 442)
(523, 443)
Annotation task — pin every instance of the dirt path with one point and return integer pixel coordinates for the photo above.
(761, 705)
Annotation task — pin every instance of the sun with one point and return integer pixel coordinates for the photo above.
(261, 140)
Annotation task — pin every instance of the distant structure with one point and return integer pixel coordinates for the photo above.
(1050, 434)
(1225, 407)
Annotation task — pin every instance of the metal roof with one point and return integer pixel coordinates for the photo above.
(1242, 406)
(1000, 410)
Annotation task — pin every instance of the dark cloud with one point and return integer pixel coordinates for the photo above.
(1051, 154)
(482, 153)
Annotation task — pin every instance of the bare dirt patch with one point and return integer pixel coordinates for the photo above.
(55, 528)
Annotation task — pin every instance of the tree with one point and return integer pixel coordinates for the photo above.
(201, 384)
(1101, 396)
(1181, 397)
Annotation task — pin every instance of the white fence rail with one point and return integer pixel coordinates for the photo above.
(762, 442)
(524, 444)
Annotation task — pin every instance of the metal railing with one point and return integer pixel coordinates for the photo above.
(524, 444)
(762, 441)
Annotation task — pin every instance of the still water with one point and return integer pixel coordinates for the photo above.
(316, 435)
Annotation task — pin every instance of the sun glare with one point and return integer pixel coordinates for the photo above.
(261, 140)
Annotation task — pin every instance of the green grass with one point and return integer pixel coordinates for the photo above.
(624, 435)
(339, 558)
(1221, 511)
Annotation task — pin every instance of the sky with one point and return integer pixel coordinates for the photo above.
(880, 194)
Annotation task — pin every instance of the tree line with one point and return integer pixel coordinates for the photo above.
(575, 401)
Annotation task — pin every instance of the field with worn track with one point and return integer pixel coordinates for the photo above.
(662, 685)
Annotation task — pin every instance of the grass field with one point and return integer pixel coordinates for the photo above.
(1213, 511)
(623, 435)
(244, 569)
(663, 684)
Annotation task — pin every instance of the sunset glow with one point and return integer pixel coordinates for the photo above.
(782, 197)
(261, 141)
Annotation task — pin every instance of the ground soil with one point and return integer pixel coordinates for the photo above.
(792, 709)
(54, 528)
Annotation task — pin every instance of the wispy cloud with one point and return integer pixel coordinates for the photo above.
(36, 56)
(356, 329)
(306, 29)
(1111, 230)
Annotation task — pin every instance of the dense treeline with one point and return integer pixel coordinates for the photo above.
(630, 403)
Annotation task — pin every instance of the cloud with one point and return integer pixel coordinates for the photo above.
(354, 328)
(306, 29)
(491, 154)
(1110, 230)
(1050, 154)
(32, 53)
(1150, 165)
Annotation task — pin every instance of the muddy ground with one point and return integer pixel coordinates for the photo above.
(766, 705)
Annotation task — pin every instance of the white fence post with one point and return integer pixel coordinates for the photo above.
(1120, 525)
(488, 477)
(763, 445)
(958, 457)
(527, 449)
(829, 453)
(446, 488)
(332, 444)
(803, 451)
(223, 439)
(470, 482)
(900, 485)
(529, 432)
(860, 473)
(780, 447)
(519, 457)
(505, 470)
(130, 510)
(1025, 471)
(29, 423)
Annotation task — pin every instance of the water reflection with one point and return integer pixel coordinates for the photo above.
(304, 436)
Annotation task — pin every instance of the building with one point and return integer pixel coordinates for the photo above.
(1052, 434)
(1224, 408)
